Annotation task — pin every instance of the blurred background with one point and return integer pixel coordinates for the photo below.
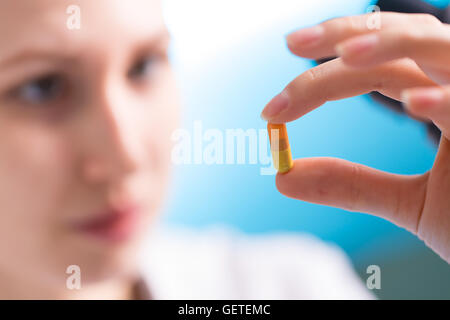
(231, 59)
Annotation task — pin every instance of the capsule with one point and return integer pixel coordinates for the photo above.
(280, 148)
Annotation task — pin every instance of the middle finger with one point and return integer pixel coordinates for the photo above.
(319, 41)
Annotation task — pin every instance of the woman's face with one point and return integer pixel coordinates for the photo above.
(85, 122)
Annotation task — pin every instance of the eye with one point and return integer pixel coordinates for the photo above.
(42, 90)
(143, 68)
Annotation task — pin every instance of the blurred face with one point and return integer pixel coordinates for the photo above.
(85, 122)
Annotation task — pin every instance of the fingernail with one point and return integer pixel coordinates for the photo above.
(431, 97)
(357, 45)
(279, 103)
(305, 37)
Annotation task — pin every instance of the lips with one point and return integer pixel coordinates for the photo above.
(112, 225)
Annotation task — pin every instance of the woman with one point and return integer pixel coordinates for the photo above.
(86, 116)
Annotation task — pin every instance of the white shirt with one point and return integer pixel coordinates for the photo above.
(223, 264)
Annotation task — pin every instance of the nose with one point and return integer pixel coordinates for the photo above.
(115, 150)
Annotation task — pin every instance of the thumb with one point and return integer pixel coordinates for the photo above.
(354, 187)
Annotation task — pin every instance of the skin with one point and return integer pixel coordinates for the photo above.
(99, 139)
(407, 59)
(68, 153)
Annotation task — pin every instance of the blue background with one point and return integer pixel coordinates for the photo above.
(230, 91)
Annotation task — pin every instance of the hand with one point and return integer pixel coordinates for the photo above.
(408, 59)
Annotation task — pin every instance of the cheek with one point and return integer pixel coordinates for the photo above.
(163, 115)
(169, 113)
(161, 120)
(33, 167)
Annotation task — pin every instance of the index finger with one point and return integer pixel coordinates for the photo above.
(334, 80)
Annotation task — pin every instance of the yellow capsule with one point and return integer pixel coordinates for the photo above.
(280, 148)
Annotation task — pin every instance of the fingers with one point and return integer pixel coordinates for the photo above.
(320, 41)
(355, 187)
(334, 80)
(427, 45)
(430, 103)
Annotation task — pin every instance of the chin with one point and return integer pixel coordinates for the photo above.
(102, 265)
(103, 258)
(108, 249)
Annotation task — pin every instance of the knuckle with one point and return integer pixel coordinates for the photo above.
(342, 24)
(313, 74)
(425, 18)
(419, 27)
(355, 188)
(410, 35)
(331, 23)
(378, 85)
(447, 95)
(352, 22)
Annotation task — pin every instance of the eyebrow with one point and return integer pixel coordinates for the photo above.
(33, 53)
(161, 37)
(38, 51)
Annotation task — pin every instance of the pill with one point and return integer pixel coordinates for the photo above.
(280, 148)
